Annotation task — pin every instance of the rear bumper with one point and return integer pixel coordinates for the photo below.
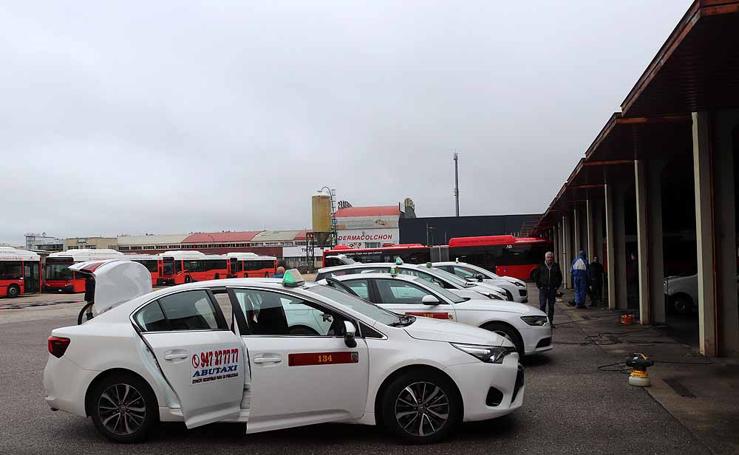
(65, 384)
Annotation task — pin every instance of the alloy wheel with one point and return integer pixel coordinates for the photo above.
(422, 408)
(505, 335)
(122, 409)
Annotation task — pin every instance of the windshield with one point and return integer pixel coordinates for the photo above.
(467, 274)
(57, 272)
(444, 275)
(452, 297)
(475, 270)
(355, 303)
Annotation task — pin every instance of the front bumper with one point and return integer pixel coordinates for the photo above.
(480, 381)
(537, 339)
(67, 288)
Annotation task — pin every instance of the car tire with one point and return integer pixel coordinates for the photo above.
(14, 291)
(128, 394)
(85, 313)
(508, 332)
(441, 410)
(682, 304)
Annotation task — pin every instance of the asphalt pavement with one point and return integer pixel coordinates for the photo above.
(570, 407)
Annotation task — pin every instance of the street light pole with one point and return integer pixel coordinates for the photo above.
(456, 181)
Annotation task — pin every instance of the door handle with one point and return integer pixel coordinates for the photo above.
(267, 359)
(176, 356)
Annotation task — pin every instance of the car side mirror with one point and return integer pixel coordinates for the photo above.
(479, 277)
(429, 299)
(350, 332)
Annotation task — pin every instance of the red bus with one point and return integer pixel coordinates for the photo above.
(58, 277)
(20, 272)
(504, 254)
(250, 265)
(186, 266)
(152, 263)
(412, 253)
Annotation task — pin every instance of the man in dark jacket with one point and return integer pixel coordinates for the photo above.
(548, 280)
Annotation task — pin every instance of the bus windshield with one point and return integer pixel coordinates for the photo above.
(57, 272)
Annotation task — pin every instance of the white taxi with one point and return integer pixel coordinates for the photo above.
(237, 350)
(526, 327)
(426, 271)
(515, 289)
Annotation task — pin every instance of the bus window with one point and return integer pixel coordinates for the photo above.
(10, 270)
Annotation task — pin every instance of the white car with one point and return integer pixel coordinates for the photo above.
(227, 351)
(442, 278)
(515, 289)
(526, 327)
(682, 293)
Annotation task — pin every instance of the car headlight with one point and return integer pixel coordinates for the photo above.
(535, 320)
(487, 354)
(494, 296)
(519, 284)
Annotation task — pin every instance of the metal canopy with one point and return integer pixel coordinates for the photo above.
(698, 66)
(696, 69)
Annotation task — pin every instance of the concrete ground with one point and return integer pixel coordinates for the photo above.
(702, 393)
(571, 406)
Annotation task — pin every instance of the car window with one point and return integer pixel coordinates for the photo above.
(425, 276)
(448, 295)
(355, 303)
(399, 291)
(464, 273)
(450, 280)
(360, 287)
(191, 310)
(151, 319)
(375, 270)
(273, 313)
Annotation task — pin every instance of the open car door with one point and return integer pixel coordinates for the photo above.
(199, 355)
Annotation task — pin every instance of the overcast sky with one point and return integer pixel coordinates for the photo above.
(178, 116)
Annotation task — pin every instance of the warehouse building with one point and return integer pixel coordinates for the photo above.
(655, 194)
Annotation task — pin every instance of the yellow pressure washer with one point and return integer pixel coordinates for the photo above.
(639, 363)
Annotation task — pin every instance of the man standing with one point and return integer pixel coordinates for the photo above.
(596, 281)
(580, 279)
(548, 280)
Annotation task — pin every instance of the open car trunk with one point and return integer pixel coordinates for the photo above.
(116, 281)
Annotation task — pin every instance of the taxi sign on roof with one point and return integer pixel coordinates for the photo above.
(292, 279)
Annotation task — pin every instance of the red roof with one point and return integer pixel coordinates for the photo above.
(221, 237)
(300, 235)
(380, 210)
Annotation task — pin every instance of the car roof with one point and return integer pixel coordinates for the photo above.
(125, 309)
(369, 264)
(357, 276)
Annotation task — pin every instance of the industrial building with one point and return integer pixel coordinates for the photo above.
(655, 194)
(438, 230)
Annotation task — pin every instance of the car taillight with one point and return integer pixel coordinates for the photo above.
(58, 346)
